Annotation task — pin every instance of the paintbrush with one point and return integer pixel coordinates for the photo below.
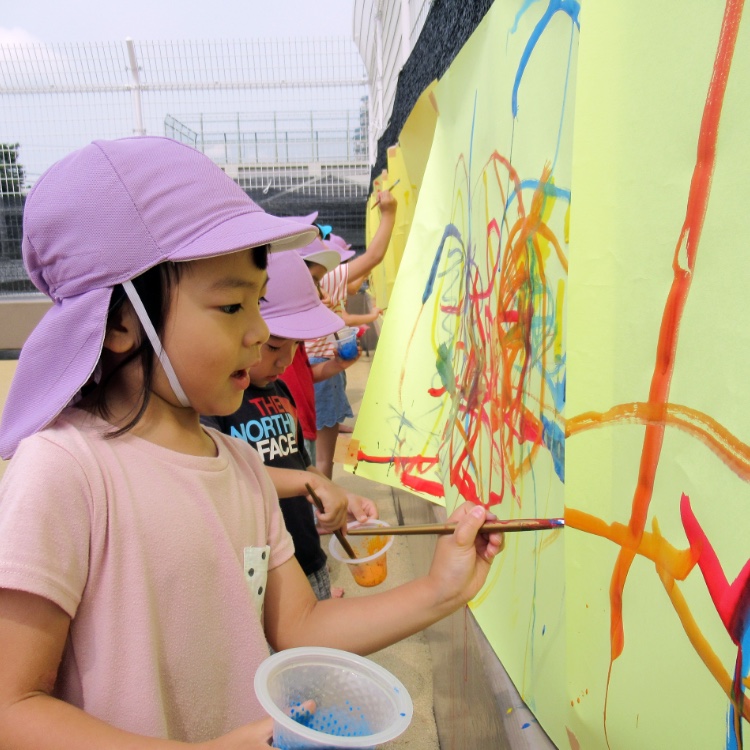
(519, 524)
(388, 190)
(342, 539)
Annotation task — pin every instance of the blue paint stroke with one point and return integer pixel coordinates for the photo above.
(549, 189)
(571, 8)
(744, 669)
(554, 439)
(450, 231)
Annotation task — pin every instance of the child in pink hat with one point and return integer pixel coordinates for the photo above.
(331, 403)
(268, 419)
(144, 561)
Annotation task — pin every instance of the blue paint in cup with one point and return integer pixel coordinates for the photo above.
(347, 344)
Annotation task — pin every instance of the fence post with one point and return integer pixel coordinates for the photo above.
(275, 139)
(312, 137)
(239, 141)
(136, 89)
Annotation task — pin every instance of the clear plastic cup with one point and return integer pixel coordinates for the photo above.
(326, 698)
(371, 566)
(346, 343)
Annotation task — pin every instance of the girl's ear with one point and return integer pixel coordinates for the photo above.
(123, 330)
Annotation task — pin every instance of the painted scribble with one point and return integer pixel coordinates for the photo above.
(493, 305)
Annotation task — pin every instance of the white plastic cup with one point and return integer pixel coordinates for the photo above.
(371, 566)
(346, 343)
(358, 704)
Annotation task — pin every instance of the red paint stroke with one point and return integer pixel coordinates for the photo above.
(410, 470)
(683, 264)
(732, 602)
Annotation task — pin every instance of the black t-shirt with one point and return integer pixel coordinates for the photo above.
(268, 421)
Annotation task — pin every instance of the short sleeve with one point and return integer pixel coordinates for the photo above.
(45, 524)
(278, 538)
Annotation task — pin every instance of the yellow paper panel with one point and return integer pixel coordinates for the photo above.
(642, 94)
(466, 393)
(416, 136)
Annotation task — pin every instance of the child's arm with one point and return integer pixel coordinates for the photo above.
(358, 319)
(291, 483)
(293, 617)
(33, 632)
(329, 368)
(354, 285)
(361, 265)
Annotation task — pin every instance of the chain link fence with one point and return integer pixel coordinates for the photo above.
(286, 118)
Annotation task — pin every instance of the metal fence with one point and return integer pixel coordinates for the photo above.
(287, 119)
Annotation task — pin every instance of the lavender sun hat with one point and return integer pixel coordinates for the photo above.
(102, 216)
(318, 252)
(292, 308)
(341, 246)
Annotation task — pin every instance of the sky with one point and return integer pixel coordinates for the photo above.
(25, 21)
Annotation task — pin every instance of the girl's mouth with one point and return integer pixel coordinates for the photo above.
(242, 378)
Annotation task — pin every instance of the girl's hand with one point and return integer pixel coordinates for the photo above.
(343, 364)
(361, 509)
(462, 560)
(255, 736)
(334, 500)
(373, 315)
(388, 203)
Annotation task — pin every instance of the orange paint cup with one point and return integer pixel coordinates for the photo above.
(371, 566)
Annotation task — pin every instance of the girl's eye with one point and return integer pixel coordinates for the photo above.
(273, 348)
(230, 309)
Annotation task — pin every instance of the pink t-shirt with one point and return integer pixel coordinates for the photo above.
(159, 558)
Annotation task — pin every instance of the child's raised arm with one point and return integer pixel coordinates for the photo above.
(293, 617)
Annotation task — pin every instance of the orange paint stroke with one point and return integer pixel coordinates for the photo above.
(732, 451)
(677, 563)
(671, 565)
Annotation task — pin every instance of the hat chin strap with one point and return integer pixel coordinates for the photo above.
(140, 311)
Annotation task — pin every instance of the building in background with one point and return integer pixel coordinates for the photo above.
(286, 118)
(385, 31)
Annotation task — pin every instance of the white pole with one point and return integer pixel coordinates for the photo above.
(136, 89)
(379, 123)
(405, 32)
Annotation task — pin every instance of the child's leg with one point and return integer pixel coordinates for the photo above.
(325, 448)
(331, 408)
(320, 582)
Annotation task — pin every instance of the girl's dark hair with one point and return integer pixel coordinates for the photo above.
(154, 287)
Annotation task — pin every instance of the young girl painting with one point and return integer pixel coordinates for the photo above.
(144, 562)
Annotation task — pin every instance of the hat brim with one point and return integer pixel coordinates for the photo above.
(48, 374)
(251, 229)
(346, 255)
(306, 326)
(309, 219)
(329, 259)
